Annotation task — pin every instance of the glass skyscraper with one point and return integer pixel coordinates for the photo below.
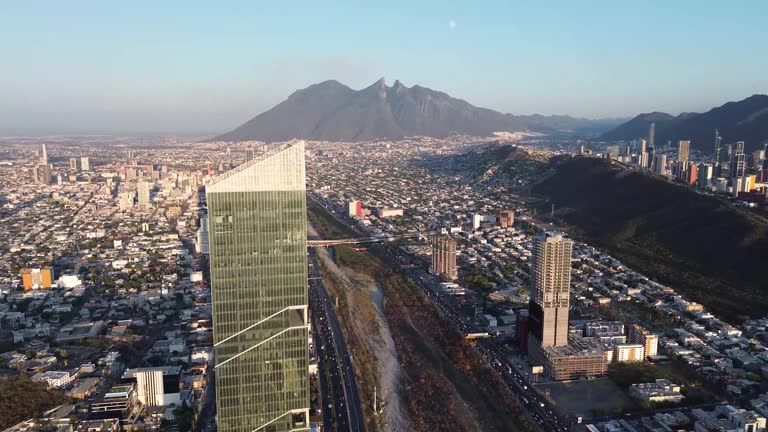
(258, 256)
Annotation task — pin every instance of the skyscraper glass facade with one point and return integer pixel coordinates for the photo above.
(258, 258)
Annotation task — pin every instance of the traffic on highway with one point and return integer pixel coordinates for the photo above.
(538, 409)
(342, 407)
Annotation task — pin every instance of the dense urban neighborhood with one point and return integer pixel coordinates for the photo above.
(421, 250)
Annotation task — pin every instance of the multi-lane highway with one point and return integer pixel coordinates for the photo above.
(538, 409)
(342, 407)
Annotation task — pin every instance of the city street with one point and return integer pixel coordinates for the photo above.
(337, 375)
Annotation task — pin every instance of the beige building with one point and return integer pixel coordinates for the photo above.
(629, 353)
(641, 336)
(550, 291)
(683, 150)
(444, 256)
(506, 218)
(581, 358)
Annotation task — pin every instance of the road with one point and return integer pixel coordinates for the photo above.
(537, 408)
(340, 379)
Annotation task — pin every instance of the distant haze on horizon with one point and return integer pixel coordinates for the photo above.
(203, 68)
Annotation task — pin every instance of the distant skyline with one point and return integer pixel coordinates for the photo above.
(205, 68)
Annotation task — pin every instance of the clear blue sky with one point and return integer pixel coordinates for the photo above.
(187, 66)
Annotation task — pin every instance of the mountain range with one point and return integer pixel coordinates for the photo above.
(745, 120)
(331, 111)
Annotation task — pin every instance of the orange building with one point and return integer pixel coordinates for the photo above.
(27, 279)
(36, 278)
(693, 174)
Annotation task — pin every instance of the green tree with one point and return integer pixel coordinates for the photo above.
(185, 417)
(22, 398)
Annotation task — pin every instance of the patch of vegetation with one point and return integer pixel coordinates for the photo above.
(328, 227)
(479, 280)
(695, 392)
(22, 399)
(437, 360)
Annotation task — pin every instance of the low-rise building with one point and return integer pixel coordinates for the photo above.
(728, 418)
(158, 386)
(662, 390)
(54, 379)
(385, 212)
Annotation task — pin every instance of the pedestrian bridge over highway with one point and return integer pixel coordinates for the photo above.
(327, 243)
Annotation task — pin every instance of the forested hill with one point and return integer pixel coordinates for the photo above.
(701, 246)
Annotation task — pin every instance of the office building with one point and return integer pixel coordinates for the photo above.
(705, 174)
(355, 208)
(727, 418)
(54, 379)
(683, 150)
(738, 161)
(479, 219)
(691, 173)
(73, 163)
(758, 156)
(37, 278)
(580, 358)
(649, 341)
(550, 290)
(651, 144)
(249, 154)
(660, 164)
(662, 390)
(597, 328)
(643, 160)
(571, 365)
(202, 244)
(258, 258)
(506, 218)
(43, 174)
(385, 212)
(118, 398)
(143, 190)
(444, 256)
(126, 200)
(764, 164)
(629, 353)
(718, 149)
(119, 408)
(44, 156)
(746, 183)
(85, 163)
(563, 355)
(156, 386)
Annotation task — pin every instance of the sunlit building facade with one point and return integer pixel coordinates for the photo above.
(550, 290)
(258, 257)
(444, 256)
